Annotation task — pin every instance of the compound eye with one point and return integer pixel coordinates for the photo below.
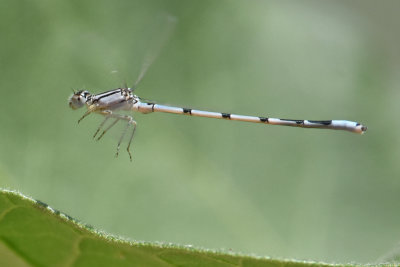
(76, 101)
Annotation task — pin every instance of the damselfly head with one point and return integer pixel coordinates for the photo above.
(78, 99)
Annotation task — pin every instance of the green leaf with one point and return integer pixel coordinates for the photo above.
(32, 233)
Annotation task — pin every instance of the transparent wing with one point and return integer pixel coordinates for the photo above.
(155, 51)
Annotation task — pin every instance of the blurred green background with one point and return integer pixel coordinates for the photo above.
(269, 190)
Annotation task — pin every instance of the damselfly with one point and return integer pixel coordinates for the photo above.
(109, 102)
(123, 99)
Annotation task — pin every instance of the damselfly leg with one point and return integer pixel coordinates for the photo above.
(117, 117)
(100, 126)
